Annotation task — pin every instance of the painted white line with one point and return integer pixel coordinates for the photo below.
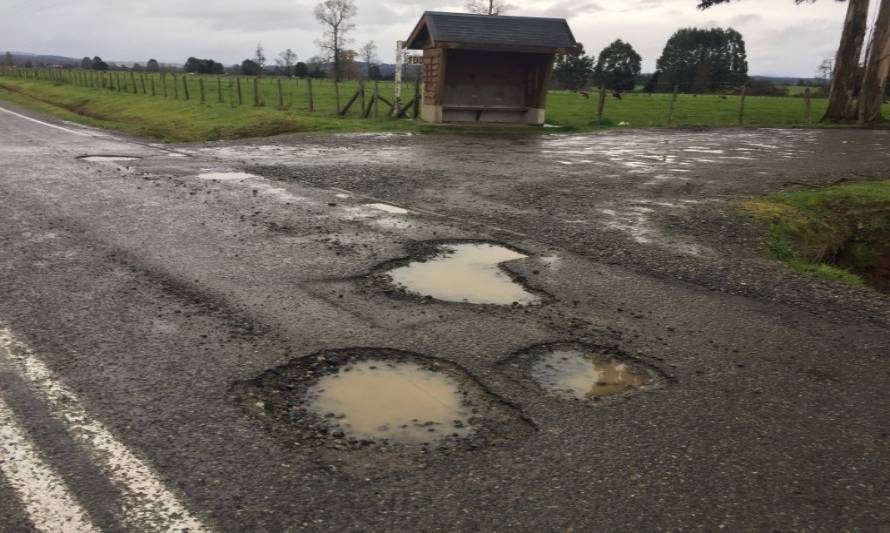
(75, 132)
(147, 505)
(44, 495)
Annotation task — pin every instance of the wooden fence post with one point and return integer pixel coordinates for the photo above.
(742, 106)
(256, 91)
(310, 107)
(601, 104)
(417, 96)
(376, 95)
(240, 100)
(219, 96)
(164, 83)
(280, 95)
(808, 107)
(142, 81)
(201, 88)
(133, 79)
(151, 80)
(361, 88)
(337, 94)
(673, 105)
(185, 87)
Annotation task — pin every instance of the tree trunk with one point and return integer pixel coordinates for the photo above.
(841, 104)
(877, 66)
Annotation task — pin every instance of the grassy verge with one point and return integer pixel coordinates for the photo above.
(840, 233)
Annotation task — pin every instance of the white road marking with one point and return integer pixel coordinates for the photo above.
(47, 500)
(75, 132)
(147, 505)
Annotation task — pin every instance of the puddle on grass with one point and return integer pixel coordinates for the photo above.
(583, 375)
(398, 402)
(468, 272)
(102, 158)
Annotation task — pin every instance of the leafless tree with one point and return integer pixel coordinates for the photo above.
(336, 16)
(259, 56)
(824, 70)
(368, 53)
(487, 7)
(287, 59)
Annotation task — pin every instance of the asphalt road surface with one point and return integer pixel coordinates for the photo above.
(138, 295)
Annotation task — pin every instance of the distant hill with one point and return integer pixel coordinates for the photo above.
(42, 59)
(785, 80)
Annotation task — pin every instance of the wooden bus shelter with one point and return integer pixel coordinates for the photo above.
(479, 68)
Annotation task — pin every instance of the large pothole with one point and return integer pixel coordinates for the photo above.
(464, 272)
(373, 409)
(572, 371)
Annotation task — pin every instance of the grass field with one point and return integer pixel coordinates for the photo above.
(75, 95)
(840, 232)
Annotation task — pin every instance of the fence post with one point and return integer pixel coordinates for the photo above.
(201, 88)
(280, 95)
(151, 80)
(376, 95)
(337, 94)
(309, 93)
(164, 83)
(808, 107)
(142, 81)
(133, 79)
(240, 100)
(673, 105)
(361, 88)
(219, 96)
(742, 106)
(417, 95)
(256, 91)
(601, 104)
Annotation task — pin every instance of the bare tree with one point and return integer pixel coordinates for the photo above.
(368, 53)
(287, 59)
(259, 57)
(336, 16)
(487, 7)
(877, 68)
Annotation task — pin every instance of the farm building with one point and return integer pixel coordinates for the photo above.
(479, 68)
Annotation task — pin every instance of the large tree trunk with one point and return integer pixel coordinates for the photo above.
(877, 66)
(841, 104)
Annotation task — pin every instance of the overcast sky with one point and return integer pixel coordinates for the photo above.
(782, 39)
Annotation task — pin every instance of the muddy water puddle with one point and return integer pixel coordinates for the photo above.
(465, 272)
(399, 402)
(583, 375)
(107, 158)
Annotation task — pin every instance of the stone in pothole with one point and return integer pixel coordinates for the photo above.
(467, 272)
(584, 375)
(398, 402)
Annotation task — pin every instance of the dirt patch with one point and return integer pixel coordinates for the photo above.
(370, 411)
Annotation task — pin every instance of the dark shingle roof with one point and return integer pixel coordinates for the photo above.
(496, 31)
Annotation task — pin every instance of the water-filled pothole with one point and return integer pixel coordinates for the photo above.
(104, 158)
(467, 272)
(400, 402)
(577, 372)
(376, 399)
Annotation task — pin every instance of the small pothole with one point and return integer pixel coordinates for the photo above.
(465, 272)
(573, 371)
(107, 158)
(374, 398)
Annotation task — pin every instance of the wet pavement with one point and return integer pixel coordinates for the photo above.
(210, 305)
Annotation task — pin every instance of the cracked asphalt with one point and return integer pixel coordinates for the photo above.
(150, 287)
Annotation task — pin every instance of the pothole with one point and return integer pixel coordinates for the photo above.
(106, 158)
(374, 408)
(577, 372)
(466, 272)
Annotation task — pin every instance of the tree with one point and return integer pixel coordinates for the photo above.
(618, 66)
(368, 53)
(877, 68)
(250, 68)
(336, 16)
(286, 60)
(699, 60)
(259, 56)
(824, 70)
(573, 71)
(152, 66)
(301, 70)
(846, 65)
(487, 7)
(86, 63)
(98, 64)
(203, 66)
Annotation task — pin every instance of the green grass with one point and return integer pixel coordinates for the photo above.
(173, 119)
(840, 232)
